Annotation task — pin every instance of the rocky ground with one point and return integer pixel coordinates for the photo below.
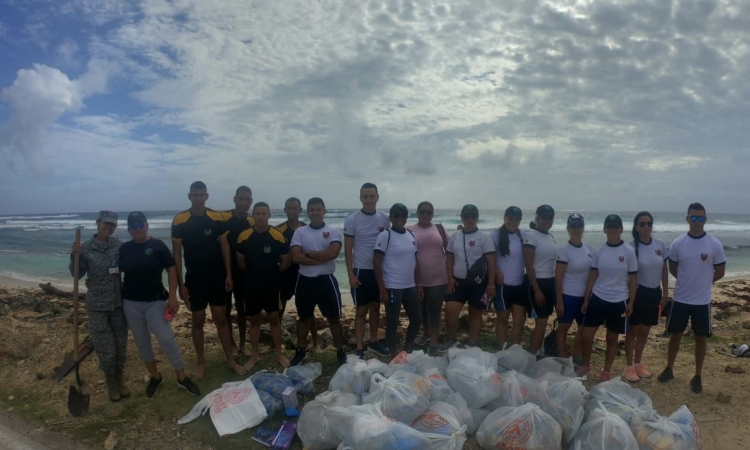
(36, 332)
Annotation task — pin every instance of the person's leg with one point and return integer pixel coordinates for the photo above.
(136, 315)
(313, 334)
(501, 327)
(537, 336)
(577, 342)
(303, 329)
(674, 347)
(475, 324)
(162, 330)
(630, 341)
(587, 344)
(434, 298)
(413, 308)
(218, 313)
(519, 319)
(612, 345)
(425, 314)
(562, 339)
(242, 331)
(452, 311)
(255, 319)
(273, 321)
(104, 345)
(392, 319)
(700, 354)
(198, 321)
(228, 311)
(641, 338)
(374, 320)
(336, 332)
(360, 322)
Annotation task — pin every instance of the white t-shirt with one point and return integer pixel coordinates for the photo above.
(651, 259)
(696, 259)
(545, 252)
(511, 265)
(312, 240)
(577, 262)
(615, 264)
(365, 228)
(399, 260)
(477, 244)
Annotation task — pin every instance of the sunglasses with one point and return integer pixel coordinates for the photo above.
(646, 224)
(424, 212)
(137, 226)
(700, 219)
(470, 216)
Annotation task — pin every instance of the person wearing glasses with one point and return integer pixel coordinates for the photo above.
(653, 287)
(148, 307)
(540, 254)
(697, 261)
(511, 295)
(397, 274)
(467, 282)
(431, 242)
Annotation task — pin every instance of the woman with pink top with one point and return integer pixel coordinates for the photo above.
(431, 241)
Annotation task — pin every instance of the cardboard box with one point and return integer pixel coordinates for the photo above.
(285, 436)
(289, 397)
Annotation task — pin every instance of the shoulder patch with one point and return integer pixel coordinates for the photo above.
(215, 215)
(226, 215)
(181, 218)
(245, 235)
(277, 235)
(282, 226)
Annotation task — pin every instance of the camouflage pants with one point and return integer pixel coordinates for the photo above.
(109, 333)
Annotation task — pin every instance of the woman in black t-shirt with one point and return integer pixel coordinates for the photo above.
(148, 307)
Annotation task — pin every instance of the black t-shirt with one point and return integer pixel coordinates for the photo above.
(262, 252)
(290, 274)
(235, 226)
(200, 240)
(143, 263)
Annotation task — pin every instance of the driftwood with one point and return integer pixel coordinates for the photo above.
(48, 288)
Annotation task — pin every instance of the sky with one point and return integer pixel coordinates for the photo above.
(606, 105)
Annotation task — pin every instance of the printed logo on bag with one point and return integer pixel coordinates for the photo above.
(219, 404)
(704, 256)
(437, 376)
(401, 358)
(433, 421)
(267, 249)
(208, 232)
(697, 433)
(326, 234)
(622, 258)
(518, 432)
(236, 396)
(658, 251)
(471, 243)
(381, 229)
(149, 251)
(497, 378)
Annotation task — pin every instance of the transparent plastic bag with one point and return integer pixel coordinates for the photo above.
(604, 431)
(403, 397)
(353, 377)
(369, 429)
(274, 406)
(440, 389)
(273, 383)
(314, 426)
(441, 426)
(557, 366)
(683, 416)
(304, 375)
(663, 434)
(464, 415)
(377, 366)
(564, 401)
(514, 390)
(515, 358)
(401, 362)
(526, 427)
(620, 398)
(477, 417)
(472, 373)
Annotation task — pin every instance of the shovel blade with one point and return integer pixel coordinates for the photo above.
(78, 401)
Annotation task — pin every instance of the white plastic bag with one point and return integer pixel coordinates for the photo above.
(515, 358)
(526, 427)
(663, 434)
(564, 401)
(557, 366)
(377, 366)
(477, 417)
(464, 415)
(403, 397)
(620, 398)
(604, 431)
(441, 426)
(514, 391)
(472, 373)
(440, 389)
(683, 416)
(304, 375)
(313, 426)
(371, 430)
(353, 377)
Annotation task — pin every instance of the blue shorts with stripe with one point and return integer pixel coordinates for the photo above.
(368, 290)
(321, 291)
(506, 296)
(699, 316)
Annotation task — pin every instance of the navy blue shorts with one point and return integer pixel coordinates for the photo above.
(465, 292)
(646, 307)
(699, 315)
(506, 296)
(572, 312)
(321, 291)
(601, 312)
(368, 290)
(547, 286)
(206, 289)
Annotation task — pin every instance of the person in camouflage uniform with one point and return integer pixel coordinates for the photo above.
(99, 259)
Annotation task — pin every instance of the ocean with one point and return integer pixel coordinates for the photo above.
(36, 247)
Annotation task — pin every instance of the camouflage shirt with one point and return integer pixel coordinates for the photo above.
(100, 261)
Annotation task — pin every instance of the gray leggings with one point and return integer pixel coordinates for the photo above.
(432, 306)
(145, 318)
(410, 300)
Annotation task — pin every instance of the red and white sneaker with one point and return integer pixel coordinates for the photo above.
(642, 372)
(606, 376)
(630, 374)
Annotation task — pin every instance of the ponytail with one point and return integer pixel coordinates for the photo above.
(503, 244)
(532, 225)
(636, 234)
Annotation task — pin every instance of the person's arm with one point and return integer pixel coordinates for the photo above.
(664, 283)
(719, 271)
(172, 302)
(491, 268)
(528, 258)
(377, 264)
(332, 252)
(226, 255)
(82, 264)
(241, 262)
(632, 289)
(349, 258)
(285, 261)
(560, 269)
(417, 279)
(673, 268)
(177, 254)
(589, 287)
(452, 283)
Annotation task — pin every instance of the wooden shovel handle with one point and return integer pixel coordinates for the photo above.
(76, 265)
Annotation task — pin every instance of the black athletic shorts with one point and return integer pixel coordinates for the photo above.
(260, 298)
(238, 292)
(465, 292)
(289, 282)
(699, 315)
(646, 307)
(321, 291)
(506, 296)
(206, 289)
(368, 290)
(601, 312)
(547, 286)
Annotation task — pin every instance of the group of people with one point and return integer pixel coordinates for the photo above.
(238, 255)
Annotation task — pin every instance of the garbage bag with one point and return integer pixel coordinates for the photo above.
(663, 433)
(515, 358)
(273, 405)
(514, 390)
(526, 427)
(620, 398)
(354, 377)
(465, 416)
(403, 397)
(401, 362)
(375, 365)
(314, 424)
(558, 366)
(440, 389)
(371, 430)
(441, 426)
(604, 431)
(477, 417)
(453, 352)
(472, 373)
(304, 375)
(683, 416)
(273, 383)
(564, 401)
(343, 446)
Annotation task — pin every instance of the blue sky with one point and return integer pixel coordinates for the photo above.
(623, 105)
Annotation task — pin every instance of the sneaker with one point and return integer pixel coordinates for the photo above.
(189, 386)
(378, 348)
(341, 357)
(642, 372)
(666, 376)
(606, 376)
(421, 340)
(432, 351)
(577, 361)
(299, 356)
(695, 385)
(583, 371)
(630, 374)
(360, 354)
(447, 344)
(153, 386)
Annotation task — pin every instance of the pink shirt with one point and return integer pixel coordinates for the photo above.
(430, 255)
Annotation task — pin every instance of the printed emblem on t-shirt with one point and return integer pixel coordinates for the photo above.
(380, 244)
(381, 229)
(267, 249)
(326, 234)
(471, 243)
(704, 256)
(208, 232)
(622, 258)
(658, 251)
(149, 251)
(589, 255)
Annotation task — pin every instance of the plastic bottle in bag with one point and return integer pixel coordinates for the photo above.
(663, 434)
(314, 427)
(304, 375)
(371, 430)
(604, 431)
(564, 401)
(525, 427)
(403, 397)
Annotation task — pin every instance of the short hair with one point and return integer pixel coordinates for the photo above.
(316, 201)
(261, 205)
(696, 207)
(293, 199)
(198, 186)
(242, 189)
(368, 186)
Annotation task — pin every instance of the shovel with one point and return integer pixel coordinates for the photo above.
(78, 396)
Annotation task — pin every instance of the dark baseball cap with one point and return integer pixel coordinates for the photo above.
(514, 211)
(398, 210)
(613, 219)
(136, 216)
(575, 219)
(545, 210)
(108, 217)
(469, 209)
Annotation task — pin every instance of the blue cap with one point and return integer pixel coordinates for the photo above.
(575, 219)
